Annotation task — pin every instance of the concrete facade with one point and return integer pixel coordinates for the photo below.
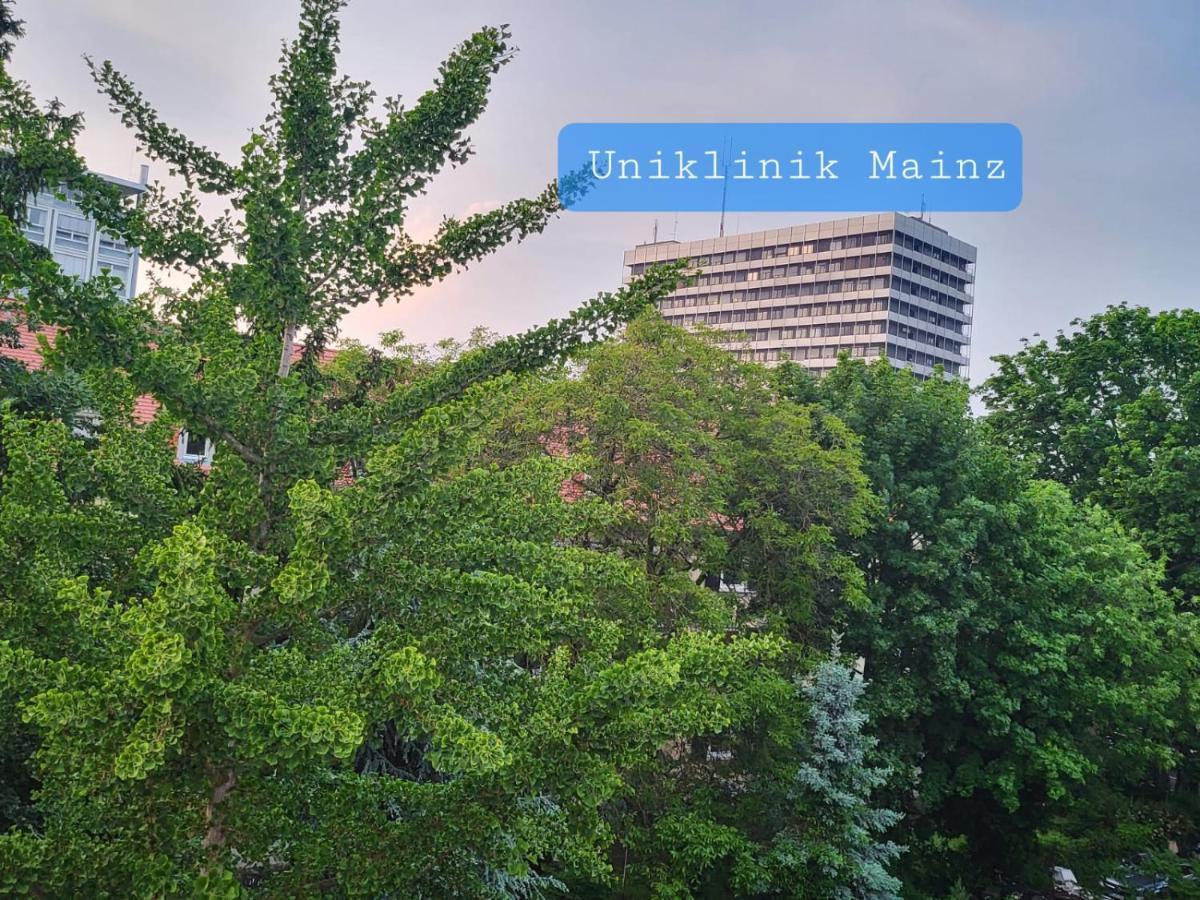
(869, 285)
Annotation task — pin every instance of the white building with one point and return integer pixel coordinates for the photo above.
(78, 245)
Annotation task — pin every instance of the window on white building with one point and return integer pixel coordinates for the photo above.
(115, 257)
(194, 448)
(72, 243)
(36, 220)
(72, 234)
(86, 424)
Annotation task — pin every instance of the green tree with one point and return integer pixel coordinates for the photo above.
(76, 499)
(731, 501)
(422, 683)
(1110, 410)
(36, 142)
(1021, 650)
(719, 477)
(838, 851)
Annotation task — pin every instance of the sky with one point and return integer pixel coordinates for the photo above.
(1107, 96)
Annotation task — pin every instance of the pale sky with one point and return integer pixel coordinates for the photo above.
(1107, 96)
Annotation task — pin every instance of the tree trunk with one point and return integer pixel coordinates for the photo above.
(289, 346)
(214, 838)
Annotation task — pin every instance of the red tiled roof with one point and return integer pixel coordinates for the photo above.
(28, 351)
(328, 355)
(145, 408)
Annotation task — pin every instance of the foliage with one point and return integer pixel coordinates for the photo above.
(1111, 411)
(423, 682)
(36, 143)
(838, 851)
(1021, 649)
(731, 501)
(548, 635)
(719, 478)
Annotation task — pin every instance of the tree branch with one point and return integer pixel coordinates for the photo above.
(197, 164)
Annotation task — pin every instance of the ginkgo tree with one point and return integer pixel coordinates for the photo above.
(419, 684)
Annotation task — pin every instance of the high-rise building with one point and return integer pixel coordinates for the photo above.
(870, 285)
(79, 247)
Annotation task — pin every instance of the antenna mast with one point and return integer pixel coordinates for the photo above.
(725, 188)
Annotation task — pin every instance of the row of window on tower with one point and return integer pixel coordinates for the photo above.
(822, 360)
(825, 245)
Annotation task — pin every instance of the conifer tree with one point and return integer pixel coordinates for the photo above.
(841, 846)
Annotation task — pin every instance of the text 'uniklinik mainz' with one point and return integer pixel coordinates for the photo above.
(953, 167)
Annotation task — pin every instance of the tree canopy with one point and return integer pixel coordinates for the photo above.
(1021, 648)
(730, 500)
(549, 613)
(1110, 410)
(410, 684)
